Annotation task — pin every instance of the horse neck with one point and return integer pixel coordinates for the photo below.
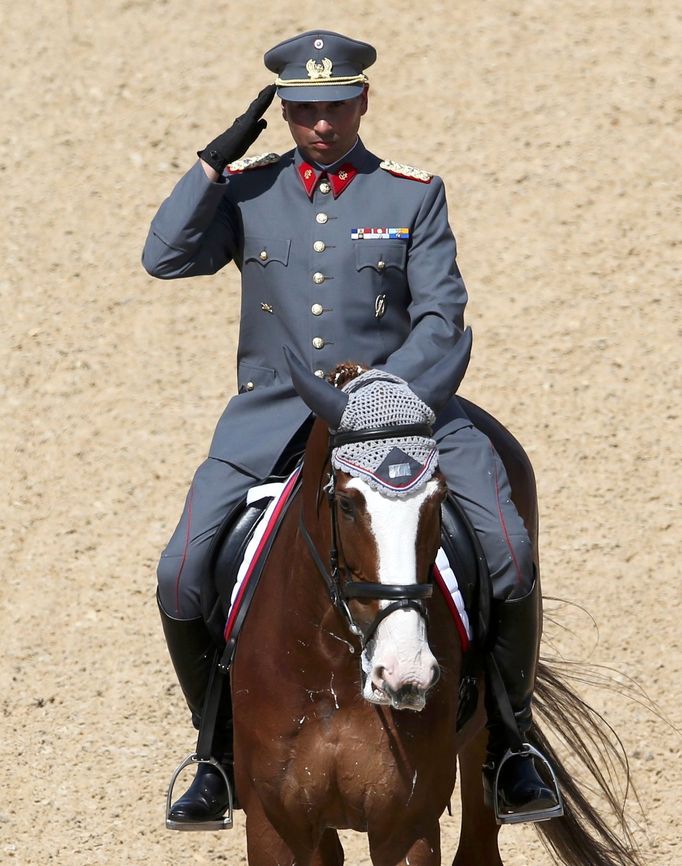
(314, 476)
(298, 585)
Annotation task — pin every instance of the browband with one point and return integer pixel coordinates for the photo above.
(336, 440)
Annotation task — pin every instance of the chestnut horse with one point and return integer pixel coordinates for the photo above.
(345, 714)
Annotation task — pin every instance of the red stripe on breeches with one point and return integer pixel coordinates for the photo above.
(505, 530)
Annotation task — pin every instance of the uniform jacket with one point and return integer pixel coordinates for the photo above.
(312, 281)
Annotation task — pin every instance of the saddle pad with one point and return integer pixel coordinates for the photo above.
(279, 493)
(447, 582)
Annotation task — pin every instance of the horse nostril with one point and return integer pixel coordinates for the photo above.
(379, 671)
(435, 673)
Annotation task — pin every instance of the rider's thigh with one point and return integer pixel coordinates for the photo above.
(476, 476)
(216, 488)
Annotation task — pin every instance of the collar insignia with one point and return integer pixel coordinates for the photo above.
(338, 181)
(342, 178)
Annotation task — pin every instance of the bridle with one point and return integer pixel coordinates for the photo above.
(401, 596)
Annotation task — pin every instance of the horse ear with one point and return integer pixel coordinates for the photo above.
(437, 385)
(324, 399)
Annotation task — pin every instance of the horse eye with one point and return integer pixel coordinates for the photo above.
(346, 506)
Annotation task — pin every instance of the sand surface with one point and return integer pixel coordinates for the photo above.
(556, 129)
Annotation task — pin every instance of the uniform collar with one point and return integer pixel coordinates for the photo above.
(339, 179)
(340, 174)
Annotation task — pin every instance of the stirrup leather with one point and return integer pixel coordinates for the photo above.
(534, 815)
(224, 823)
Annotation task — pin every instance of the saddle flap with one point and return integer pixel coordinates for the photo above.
(227, 551)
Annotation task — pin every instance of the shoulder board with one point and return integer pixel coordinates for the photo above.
(400, 170)
(249, 162)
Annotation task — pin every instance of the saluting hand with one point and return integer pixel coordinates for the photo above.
(235, 141)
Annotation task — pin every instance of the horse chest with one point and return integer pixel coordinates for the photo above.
(342, 761)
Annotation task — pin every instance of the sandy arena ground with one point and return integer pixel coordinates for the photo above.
(556, 129)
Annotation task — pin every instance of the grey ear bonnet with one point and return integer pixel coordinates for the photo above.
(397, 466)
(377, 399)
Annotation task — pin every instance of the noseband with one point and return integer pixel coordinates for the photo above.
(401, 596)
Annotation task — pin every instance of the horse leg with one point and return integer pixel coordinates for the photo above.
(329, 852)
(406, 847)
(479, 830)
(264, 845)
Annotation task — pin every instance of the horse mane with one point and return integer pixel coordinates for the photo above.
(345, 372)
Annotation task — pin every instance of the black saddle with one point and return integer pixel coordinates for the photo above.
(465, 555)
(224, 558)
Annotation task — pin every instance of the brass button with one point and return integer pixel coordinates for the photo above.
(318, 278)
(319, 374)
(324, 187)
(317, 309)
(263, 255)
(249, 386)
(318, 342)
(381, 264)
(319, 246)
(322, 218)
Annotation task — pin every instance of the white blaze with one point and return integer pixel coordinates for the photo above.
(400, 654)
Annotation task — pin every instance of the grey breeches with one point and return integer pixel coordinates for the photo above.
(473, 472)
(216, 488)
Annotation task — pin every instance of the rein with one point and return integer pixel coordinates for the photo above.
(401, 596)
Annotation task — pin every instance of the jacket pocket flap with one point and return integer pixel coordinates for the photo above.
(252, 376)
(266, 250)
(380, 255)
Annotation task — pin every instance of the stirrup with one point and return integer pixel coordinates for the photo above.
(224, 823)
(528, 816)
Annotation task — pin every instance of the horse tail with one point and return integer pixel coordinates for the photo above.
(582, 836)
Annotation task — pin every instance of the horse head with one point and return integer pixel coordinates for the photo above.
(383, 492)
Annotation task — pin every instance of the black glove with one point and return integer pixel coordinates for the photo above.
(236, 140)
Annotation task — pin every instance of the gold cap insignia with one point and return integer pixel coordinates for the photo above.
(343, 174)
(317, 70)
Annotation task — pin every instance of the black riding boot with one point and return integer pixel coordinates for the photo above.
(193, 655)
(518, 780)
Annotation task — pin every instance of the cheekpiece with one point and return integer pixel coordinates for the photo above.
(320, 66)
(394, 466)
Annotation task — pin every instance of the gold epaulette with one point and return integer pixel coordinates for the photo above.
(249, 162)
(409, 171)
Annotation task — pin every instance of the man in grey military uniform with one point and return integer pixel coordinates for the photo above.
(342, 256)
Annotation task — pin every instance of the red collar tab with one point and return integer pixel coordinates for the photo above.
(338, 181)
(342, 178)
(308, 177)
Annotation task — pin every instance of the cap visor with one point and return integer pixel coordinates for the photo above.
(320, 92)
